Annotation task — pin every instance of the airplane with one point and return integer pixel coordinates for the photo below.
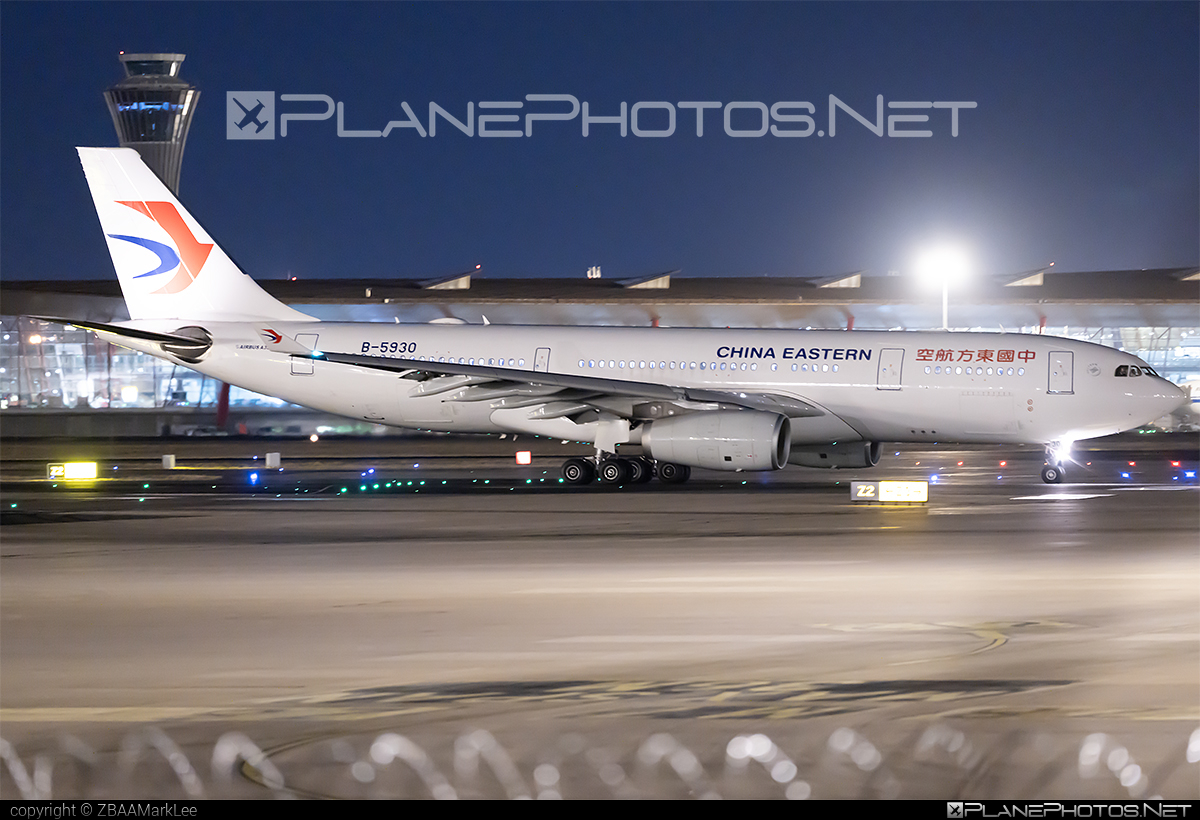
(654, 402)
(251, 116)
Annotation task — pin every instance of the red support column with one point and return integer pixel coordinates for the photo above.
(223, 406)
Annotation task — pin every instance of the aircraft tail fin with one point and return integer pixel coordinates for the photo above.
(167, 264)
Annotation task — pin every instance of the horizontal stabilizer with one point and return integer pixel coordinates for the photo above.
(172, 339)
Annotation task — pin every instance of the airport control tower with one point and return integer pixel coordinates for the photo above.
(152, 110)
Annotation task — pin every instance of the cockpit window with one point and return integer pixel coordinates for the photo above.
(1150, 371)
(1122, 370)
(1134, 371)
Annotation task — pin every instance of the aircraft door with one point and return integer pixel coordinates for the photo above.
(1062, 372)
(891, 367)
(304, 367)
(541, 362)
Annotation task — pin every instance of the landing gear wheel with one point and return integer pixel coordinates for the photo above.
(614, 471)
(640, 470)
(669, 473)
(578, 471)
(1052, 474)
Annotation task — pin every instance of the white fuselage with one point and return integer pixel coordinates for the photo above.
(871, 385)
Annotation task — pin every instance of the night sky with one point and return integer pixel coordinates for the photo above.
(1083, 149)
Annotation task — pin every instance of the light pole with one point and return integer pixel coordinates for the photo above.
(941, 266)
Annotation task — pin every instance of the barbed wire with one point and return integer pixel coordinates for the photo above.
(940, 761)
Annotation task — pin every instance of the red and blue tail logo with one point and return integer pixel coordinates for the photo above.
(188, 256)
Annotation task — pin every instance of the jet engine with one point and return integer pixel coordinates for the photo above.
(846, 454)
(720, 440)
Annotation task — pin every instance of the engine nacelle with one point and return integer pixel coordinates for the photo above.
(721, 440)
(848, 454)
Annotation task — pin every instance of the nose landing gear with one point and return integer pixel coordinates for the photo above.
(1052, 474)
(1056, 454)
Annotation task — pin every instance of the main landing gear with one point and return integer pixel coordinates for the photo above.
(619, 470)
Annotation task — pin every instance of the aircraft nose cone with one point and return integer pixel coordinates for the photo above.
(1174, 397)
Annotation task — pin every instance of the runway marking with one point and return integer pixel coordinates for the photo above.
(305, 708)
(1163, 489)
(726, 579)
(666, 699)
(891, 627)
(995, 634)
(671, 639)
(656, 590)
(1042, 712)
(1163, 637)
(1060, 497)
(977, 509)
(106, 714)
(997, 640)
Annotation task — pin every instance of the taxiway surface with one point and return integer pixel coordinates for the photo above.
(970, 647)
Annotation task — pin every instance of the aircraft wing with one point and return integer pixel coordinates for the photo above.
(577, 393)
